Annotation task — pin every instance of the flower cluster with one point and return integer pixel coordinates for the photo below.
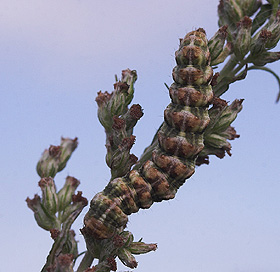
(250, 29)
(56, 211)
(118, 121)
(121, 246)
(219, 130)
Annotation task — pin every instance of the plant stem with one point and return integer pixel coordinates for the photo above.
(240, 65)
(228, 68)
(86, 262)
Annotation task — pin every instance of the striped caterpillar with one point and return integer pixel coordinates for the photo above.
(180, 139)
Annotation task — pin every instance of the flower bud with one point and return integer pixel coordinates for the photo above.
(102, 98)
(249, 7)
(230, 13)
(49, 196)
(54, 159)
(274, 28)
(129, 77)
(115, 104)
(141, 248)
(258, 45)
(66, 192)
(118, 132)
(48, 163)
(67, 148)
(127, 238)
(72, 211)
(224, 54)
(217, 145)
(222, 115)
(216, 43)
(266, 57)
(118, 241)
(132, 116)
(120, 160)
(218, 141)
(242, 40)
(43, 218)
(127, 258)
(219, 131)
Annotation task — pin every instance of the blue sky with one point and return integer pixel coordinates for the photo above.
(55, 56)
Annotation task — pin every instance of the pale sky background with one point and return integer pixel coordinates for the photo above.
(55, 56)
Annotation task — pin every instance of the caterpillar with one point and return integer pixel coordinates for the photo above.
(180, 140)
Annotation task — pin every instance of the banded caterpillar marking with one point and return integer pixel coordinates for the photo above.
(180, 140)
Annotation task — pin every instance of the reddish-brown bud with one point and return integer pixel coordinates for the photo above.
(102, 98)
(54, 233)
(79, 198)
(118, 123)
(112, 263)
(135, 111)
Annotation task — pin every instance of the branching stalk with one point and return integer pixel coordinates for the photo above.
(196, 124)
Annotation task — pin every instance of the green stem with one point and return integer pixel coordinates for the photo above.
(56, 248)
(86, 262)
(228, 68)
(62, 238)
(240, 65)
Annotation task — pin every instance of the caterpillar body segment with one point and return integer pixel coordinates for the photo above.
(180, 141)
